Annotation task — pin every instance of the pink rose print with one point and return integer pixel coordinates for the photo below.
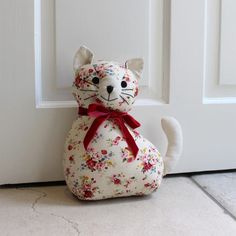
(120, 179)
(104, 152)
(88, 187)
(136, 92)
(91, 164)
(72, 160)
(147, 166)
(78, 81)
(136, 133)
(153, 185)
(88, 194)
(116, 181)
(116, 140)
(67, 172)
(98, 161)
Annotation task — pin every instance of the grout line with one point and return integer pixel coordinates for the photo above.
(226, 211)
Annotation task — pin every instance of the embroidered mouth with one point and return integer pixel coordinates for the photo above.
(108, 99)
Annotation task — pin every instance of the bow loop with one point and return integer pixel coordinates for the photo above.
(101, 114)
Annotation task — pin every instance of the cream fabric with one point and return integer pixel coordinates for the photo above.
(108, 168)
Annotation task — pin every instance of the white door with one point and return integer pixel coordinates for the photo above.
(189, 49)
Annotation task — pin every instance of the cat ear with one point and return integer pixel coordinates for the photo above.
(135, 65)
(82, 57)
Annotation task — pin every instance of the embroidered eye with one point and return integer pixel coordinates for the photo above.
(95, 80)
(123, 84)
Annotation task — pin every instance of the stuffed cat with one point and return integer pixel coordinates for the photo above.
(105, 157)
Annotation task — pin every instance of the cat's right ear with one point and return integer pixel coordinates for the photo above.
(82, 57)
(135, 65)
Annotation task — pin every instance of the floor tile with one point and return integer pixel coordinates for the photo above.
(179, 207)
(222, 187)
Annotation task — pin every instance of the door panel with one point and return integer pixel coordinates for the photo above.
(186, 76)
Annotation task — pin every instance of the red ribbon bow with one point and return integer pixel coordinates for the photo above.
(101, 114)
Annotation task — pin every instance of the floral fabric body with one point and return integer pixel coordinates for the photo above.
(108, 169)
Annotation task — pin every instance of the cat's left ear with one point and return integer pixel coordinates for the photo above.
(135, 65)
(82, 57)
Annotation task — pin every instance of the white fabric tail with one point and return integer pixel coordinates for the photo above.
(174, 136)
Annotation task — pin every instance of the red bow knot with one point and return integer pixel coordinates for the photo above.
(101, 114)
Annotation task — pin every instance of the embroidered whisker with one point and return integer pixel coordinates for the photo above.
(91, 97)
(127, 89)
(127, 94)
(88, 90)
(124, 99)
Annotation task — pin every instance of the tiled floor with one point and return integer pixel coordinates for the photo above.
(197, 205)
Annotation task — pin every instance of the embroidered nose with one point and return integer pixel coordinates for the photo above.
(109, 89)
